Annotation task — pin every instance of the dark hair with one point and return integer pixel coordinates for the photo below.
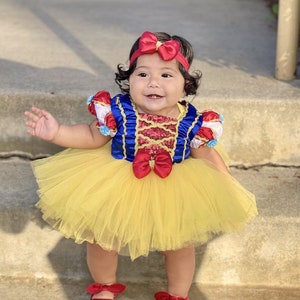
(192, 81)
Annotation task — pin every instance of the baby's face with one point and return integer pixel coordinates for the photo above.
(156, 85)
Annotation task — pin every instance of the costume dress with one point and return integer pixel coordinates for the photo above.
(142, 191)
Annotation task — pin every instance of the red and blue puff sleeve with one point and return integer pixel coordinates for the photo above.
(99, 106)
(210, 131)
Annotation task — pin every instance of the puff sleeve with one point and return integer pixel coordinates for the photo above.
(99, 106)
(210, 131)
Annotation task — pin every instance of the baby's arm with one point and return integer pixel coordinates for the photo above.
(43, 125)
(202, 145)
(210, 154)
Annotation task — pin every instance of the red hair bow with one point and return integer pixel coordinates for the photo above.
(149, 44)
(162, 164)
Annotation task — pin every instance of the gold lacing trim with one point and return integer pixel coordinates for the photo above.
(125, 128)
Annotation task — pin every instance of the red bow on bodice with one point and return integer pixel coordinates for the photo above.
(167, 50)
(142, 164)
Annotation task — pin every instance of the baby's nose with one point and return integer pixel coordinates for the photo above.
(153, 83)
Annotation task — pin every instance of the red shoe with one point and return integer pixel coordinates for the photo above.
(95, 288)
(166, 296)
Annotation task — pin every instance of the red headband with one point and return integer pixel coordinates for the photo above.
(149, 44)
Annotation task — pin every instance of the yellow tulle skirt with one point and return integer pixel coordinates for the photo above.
(89, 196)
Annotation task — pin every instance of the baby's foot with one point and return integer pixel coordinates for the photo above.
(104, 295)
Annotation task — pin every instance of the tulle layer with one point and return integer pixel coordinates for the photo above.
(89, 196)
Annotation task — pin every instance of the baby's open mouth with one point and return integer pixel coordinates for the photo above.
(154, 96)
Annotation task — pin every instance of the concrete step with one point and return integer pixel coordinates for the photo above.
(251, 130)
(265, 254)
(34, 289)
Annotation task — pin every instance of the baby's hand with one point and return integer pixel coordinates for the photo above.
(41, 124)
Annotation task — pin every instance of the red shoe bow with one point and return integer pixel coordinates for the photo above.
(167, 50)
(162, 164)
(166, 296)
(96, 288)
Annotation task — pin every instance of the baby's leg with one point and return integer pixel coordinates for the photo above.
(103, 266)
(180, 266)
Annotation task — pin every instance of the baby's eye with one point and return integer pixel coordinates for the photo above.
(142, 74)
(166, 75)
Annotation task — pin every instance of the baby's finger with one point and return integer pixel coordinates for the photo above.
(36, 110)
(30, 124)
(33, 116)
(30, 115)
(40, 112)
(30, 131)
